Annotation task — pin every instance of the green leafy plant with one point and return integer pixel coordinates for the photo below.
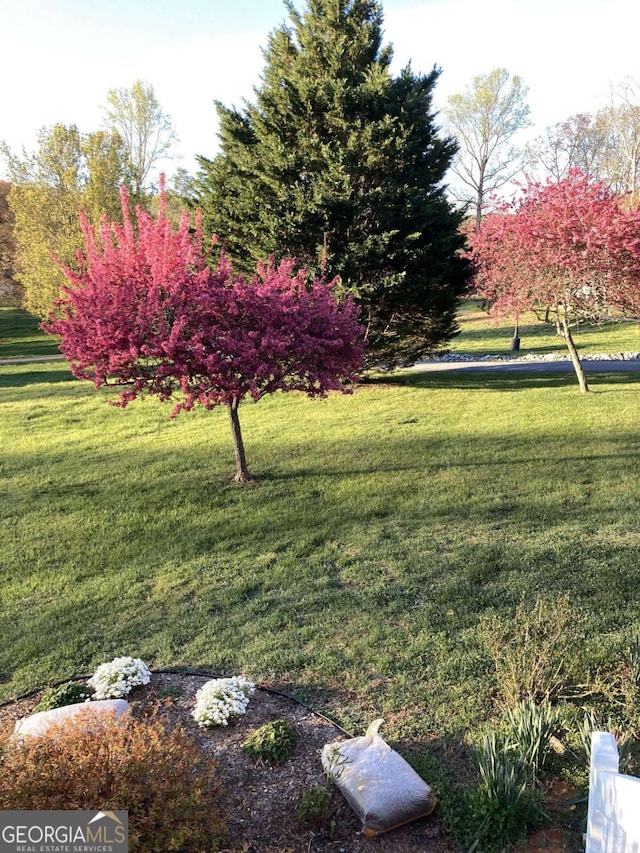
(169, 691)
(314, 805)
(158, 774)
(592, 722)
(70, 693)
(531, 727)
(502, 805)
(315, 800)
(272, 742)
(535, 650)
(503, 779)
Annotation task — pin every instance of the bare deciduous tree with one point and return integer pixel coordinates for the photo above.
(147, 131)
(605, 146)
(484, 120)
(576, 143)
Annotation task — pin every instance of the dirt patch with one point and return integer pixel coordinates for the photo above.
(262, 799)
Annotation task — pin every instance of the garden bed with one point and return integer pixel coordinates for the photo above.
(262, 799)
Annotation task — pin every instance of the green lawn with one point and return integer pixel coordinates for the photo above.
(385, 526)
(20, 335)
(481, 336)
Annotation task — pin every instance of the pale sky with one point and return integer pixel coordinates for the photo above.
(59, 58)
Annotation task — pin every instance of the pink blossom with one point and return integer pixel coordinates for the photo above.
(144, 310)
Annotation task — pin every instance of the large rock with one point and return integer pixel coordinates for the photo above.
(84, 713)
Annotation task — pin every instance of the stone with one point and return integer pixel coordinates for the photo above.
(83, 713)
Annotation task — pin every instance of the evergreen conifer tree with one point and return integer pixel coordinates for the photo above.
(339, 164)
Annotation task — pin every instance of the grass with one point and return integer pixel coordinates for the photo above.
(385, 527)
(20, 335)
(480, 335)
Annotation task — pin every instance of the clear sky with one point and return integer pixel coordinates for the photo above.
(59, 58)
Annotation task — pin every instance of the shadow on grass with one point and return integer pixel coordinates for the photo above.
(499, 337)
(515, 377)
(34, 375)
(479, 481)
(21, 335)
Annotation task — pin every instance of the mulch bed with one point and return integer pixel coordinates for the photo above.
(262, 799)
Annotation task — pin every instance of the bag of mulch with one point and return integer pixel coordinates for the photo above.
(382, 789)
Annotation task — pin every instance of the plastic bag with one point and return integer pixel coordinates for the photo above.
(382, 789)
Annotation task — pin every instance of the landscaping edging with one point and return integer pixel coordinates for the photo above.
(262, 799)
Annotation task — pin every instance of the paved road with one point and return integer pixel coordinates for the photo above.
(27, 359)
(542, 366)
(617, 366)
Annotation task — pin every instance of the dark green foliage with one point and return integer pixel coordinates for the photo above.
(496, 828)
(70, 693)
(340, 165)
(272, 742)
(502, 807)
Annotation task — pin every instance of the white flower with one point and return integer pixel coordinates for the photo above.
(220, 699)
(115, 679)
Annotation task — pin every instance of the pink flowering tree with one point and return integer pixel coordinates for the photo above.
(144, 311)
(565, 248)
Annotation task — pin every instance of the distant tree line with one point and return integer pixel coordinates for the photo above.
(337, 163)
(604, 145)
(72, 170)
(10, 291)
(487, 117)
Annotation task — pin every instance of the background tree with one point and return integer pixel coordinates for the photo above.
(576, 143)
(568, 248)
(148, 134)
(604, 145)
(48, 186)
(620, 122)
(484, 119)
(104, 171)
(146, 312)
(339, 164)
(9, 290)
(178, 196)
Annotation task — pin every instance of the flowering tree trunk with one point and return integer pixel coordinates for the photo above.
(568, 247)
(573, 352)
(242, 472)
(146, 312)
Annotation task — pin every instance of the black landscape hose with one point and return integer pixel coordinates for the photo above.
(193, 672)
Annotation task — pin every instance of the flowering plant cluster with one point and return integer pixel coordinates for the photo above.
(220, 699)
(569, 246)
(116, 679)
(147, 312)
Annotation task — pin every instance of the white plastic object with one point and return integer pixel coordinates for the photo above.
(379, 785)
